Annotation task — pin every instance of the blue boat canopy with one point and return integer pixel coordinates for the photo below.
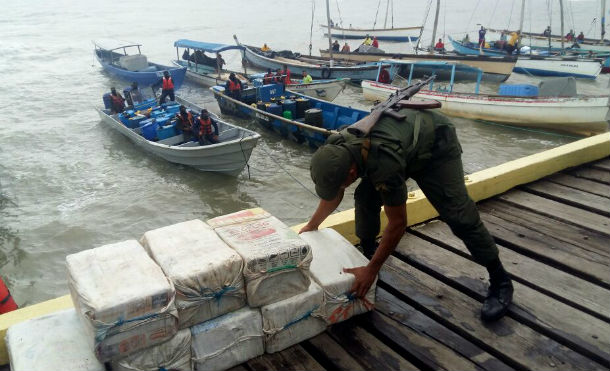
(206, 47)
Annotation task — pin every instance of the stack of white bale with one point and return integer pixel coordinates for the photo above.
(123, 298)
(174, 354)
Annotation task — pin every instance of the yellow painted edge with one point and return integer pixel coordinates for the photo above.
(29, 312)
(481, 185)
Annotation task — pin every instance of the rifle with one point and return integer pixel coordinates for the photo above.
(391, 106)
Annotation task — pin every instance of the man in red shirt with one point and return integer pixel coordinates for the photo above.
(439, 47)
(286, 73)
(384, 76)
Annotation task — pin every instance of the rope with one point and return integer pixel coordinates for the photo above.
(510, 16)
(493, 13)
(421, 30)
(313, 8)
(244, 154)
(339, 11)
(378, 5)
(474, 11)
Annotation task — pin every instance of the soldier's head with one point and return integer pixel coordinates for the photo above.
(332, 169)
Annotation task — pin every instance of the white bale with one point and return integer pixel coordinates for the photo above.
(123, 298)
(331, 254)
(53, 342)
(276, 259)
(173, 354)
(136, 62)
(293, 320)
(206, 273)
(227, 341)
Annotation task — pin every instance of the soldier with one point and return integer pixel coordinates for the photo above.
(424, 147)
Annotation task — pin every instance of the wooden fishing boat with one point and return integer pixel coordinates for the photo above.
(581, 114)
(540, 65)
(303, 119)
(114, 58)
(538, 40)
(229, 156)
(495, 68)
(387, 34)
(322, 89)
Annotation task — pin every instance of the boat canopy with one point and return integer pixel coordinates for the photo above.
(206, 47)
(113, 44)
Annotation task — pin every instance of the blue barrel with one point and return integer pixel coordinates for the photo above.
(162, 120)
(167, 131)
(135, 121)
(275, 109)
(107, 101)
(145, 105)
(149, 131)
(290, 105)
(146, 122)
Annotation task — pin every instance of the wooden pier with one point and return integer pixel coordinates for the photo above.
(554, 239)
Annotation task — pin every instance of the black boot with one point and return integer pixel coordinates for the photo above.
(368, 248)
(500, 293)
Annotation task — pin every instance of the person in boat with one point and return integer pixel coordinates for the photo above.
(206, 128)
(375, 43)
(219, 62)
(286, 75)
(581, 37)
(307, 79)
(384, 76)
(184, 123)
(439, 46)
(570, 35)
(367, 40)
(345, 48)
(118, 102)
(167, 88)
(482, 33)
(547, 32)
(233, 87)
(501, 44)
(336, 46)
(269, 78)
(279, 76)
(512, 43)
(466, 40)
(186, 55)
(135, 94)
(384, 160)
(265, 48)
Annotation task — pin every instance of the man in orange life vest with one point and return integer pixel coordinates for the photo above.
(233, 87)
(118, 102)
(268, 78)
(205, 134)
(184, 123)
(167, 88)
(286, 74)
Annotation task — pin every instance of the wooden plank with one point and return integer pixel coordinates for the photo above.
(567, 325)
(514, 343)
(562, 286)
(412, 319)
(558, 211)
(293, 358)
(369, 351)
(601, 164)
(327, 348)
(596, 175)
(581, 184)
(574, 249)
(577, 198)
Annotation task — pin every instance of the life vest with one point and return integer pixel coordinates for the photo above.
(168, 83)
(117, 100)
(186, 124)
(287, 78)
(206, 126)
(233, 86)
(7, 304)
(268, 79)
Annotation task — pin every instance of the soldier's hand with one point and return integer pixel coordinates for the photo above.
(365, 277)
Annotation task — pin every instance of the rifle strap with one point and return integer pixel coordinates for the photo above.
(365, 149)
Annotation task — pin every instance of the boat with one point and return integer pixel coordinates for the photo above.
(158, 136)
(578, 114)
(322, 89)
(539, 41)
(300, 118)
(540, 65)
(320, 70)
(495, 68)
(382, 34)
(114, 57)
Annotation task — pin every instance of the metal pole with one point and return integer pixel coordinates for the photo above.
(387, 7)
(601, 40)
(562, 30)
(438, 7)
(330, 44)
(522, 16)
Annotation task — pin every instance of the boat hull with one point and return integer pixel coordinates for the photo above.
(229, 157)
(579, 115)
(540, 41)
(146, 78)
(386, 34)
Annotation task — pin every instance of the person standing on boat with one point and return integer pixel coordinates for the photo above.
(184, 123)
(286, 75)
(307, 79)
(375, 43)
(482, 33)
(423, 146)
(269, 77)
(336, 46)
(367, 40)
(167, 88)
(135, 94)
(345, 48)
(118, 102)
(219, 62)
(547, 32)
(204, 131)
(512, 43)
(233, 87)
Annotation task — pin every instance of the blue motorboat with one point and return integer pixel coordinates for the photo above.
(301, 118)
(114, 57)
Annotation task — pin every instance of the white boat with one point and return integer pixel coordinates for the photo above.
(382, 34)
(229, 156)
(579, 114)
(558, 66)
(542, 42)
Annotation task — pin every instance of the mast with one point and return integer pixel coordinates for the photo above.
(330, 44)
(438, 7)
(522, 17)
(562, 30)
(601, 40)
(387, 7)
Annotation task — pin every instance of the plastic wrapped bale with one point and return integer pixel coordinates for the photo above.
(206, 273)
(276, 259)
(331, 254)
(54, 342)
(293, 320)
(174, 354)
(123, 298)
(227, 341)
